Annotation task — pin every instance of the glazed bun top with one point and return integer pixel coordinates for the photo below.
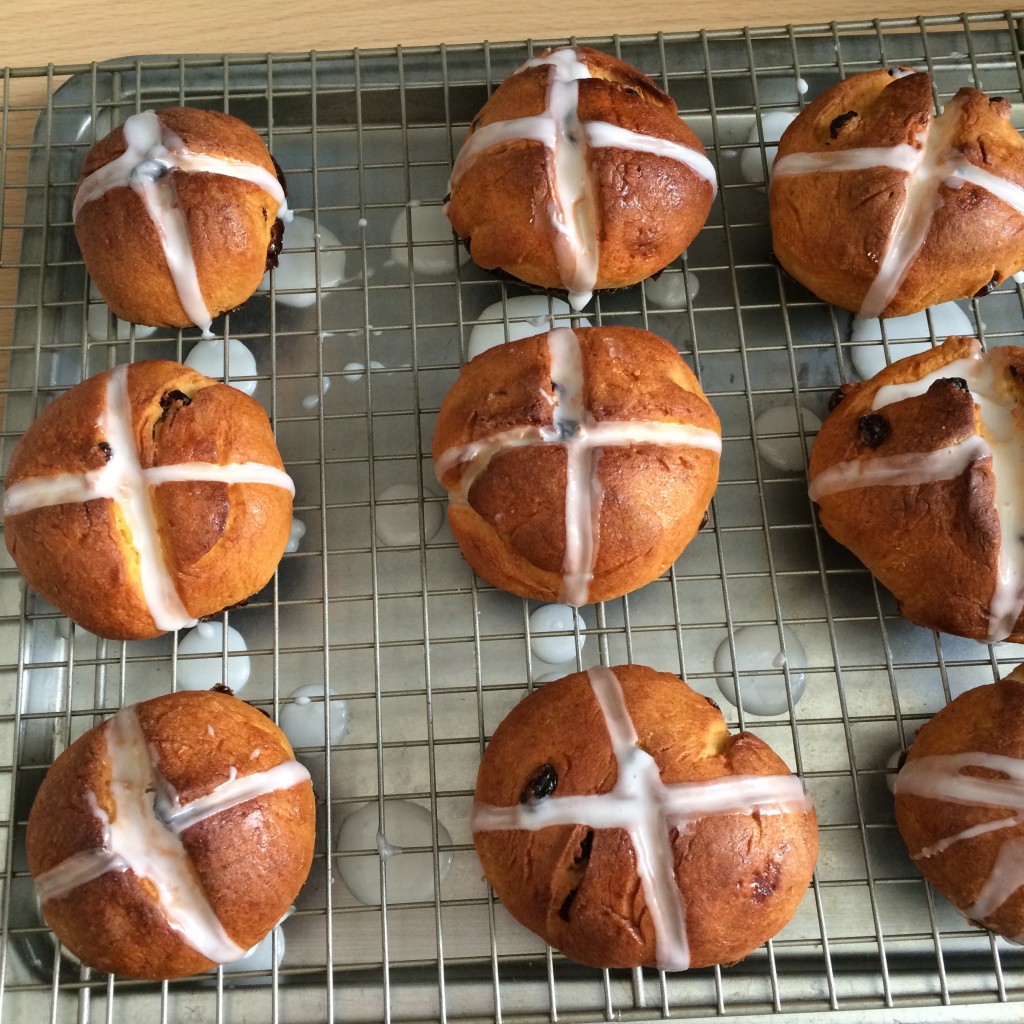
(177, 212)
(883, 208)
(578, 463)
(959, 796)
(146, 497)
(918, 472)
(615, 815)
(172, 836)
(578, 173)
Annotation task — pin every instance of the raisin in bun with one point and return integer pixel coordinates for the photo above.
(959, 804)
(916, 471)
(178, 214)
(147, 497)
(578, 173)
(616, 817)
(883, 208)
(171, 837)
(579, 463)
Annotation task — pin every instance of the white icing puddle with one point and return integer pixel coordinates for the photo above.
(435, 249)
(312, 401)
(785, 453)
(550, 677)
(399, 524)
(303, 718)
(759, 663)
(552, 618)
(773, 124)
(526, 315)
(296, 271)
(205, 673)
(208, 357)
(409, 876)
(947, 319)
(355, 372)
(670, 289)
(295, 535)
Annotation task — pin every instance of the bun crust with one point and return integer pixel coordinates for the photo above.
(646, 208)
(633, 506)
(249, 860)
(232, 224)
(832, 229)
(220, 541)
(975, 740)
(935, 543)
(738, 875)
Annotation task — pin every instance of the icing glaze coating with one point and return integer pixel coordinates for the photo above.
(997, 439)
(151, 153)
(573, 426)
(560, 130)
(127, 484)
(647, 809)
(930, 164)
(940, 777)
(142, 835)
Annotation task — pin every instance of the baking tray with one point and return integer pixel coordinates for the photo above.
(429, 658)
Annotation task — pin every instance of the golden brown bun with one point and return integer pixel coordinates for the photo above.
(251, 859)
(221, 542)
(986, 719)
(740, 876)
(512, 531)
(934, 545)
(831, 230)
(648, 208)
(231, 225)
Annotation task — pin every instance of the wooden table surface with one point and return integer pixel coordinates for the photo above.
(36, 33)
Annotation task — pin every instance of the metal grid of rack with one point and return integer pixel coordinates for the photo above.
(427, 657)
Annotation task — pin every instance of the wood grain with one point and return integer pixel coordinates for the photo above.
(64, 31)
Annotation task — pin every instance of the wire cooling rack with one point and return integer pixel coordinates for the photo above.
(427, 657)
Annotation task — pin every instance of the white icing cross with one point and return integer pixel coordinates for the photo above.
(143, 836)
(939, 777)
(583, 438)
(648, 810)
(559, 129)
(932, 163)
(1002, 444)
(151, 152)
(127, 484)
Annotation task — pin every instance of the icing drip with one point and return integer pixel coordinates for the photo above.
(574, 427)
(569, 416)
(649, 810)
(574, 215)
(899, 158)
(559, 129)
(237, 790)
(940, 777)
(933, 163)
(909, 470)
(127, 484)
(152, 151)
(997, 438)
(143, 836)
